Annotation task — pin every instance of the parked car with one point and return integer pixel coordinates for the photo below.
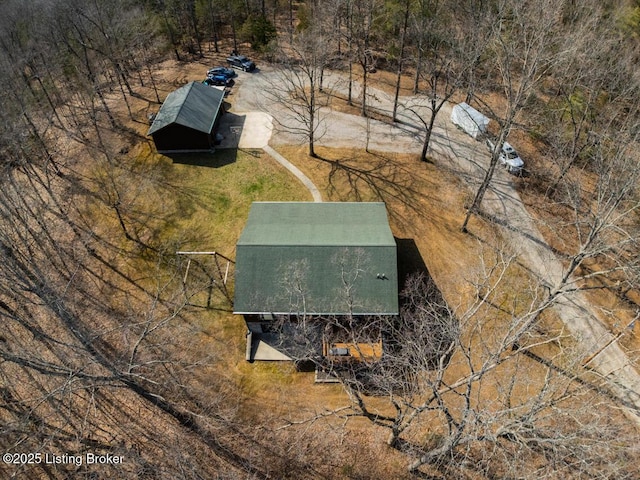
(241, 62)
(227, 72)
(218, 81)
(508, 157)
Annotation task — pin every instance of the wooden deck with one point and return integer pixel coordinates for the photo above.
(357, 351)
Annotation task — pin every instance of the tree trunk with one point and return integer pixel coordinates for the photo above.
(399, 76)
(349, 55)
(416, 81)
(312, 121)
(363, 109)
(214, 27)
(487, 178)
(235, 38)
(172, 37)
(291, 21)
(432, 120)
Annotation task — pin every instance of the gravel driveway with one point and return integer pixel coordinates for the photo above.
(469, 159)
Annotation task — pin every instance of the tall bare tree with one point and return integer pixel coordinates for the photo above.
(300, 89)
(523, 48)
(365, 14)
(443, 55)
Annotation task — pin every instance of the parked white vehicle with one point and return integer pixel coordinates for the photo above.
(469, 120)
(508, 157)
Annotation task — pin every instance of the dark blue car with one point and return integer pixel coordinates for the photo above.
(218, 81)
(226, 72)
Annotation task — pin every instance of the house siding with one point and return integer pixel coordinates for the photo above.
(178, 137)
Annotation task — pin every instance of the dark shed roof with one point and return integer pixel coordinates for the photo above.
(316, 258)
(194, 105)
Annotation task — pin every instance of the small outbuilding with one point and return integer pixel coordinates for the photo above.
(188, 119)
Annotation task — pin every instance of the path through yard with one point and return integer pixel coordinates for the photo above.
(252, 130)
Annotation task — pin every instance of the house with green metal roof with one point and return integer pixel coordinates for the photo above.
(303, 259)
(187, 119)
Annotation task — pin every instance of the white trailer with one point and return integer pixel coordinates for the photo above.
(469, 119)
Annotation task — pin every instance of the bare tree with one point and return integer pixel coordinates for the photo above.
(452, 383)
(442, 60)
(606, 237)
(592, 87)
(401, 53)
(299, 89)
(364, 16)
(90, 355)
(522, 53)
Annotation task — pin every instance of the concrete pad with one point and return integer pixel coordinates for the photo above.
(231, 126)
(261, 350)
(257, 130)
(245, 129)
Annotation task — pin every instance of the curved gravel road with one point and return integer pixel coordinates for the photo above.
(468, 159)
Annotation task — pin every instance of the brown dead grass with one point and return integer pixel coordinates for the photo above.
(555, 222)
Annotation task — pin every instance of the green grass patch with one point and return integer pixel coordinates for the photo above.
(212, 194)
(188, 202)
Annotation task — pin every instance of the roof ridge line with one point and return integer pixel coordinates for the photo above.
(190, 85)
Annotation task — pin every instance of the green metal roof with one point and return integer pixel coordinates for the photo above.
(194, 105)
(326, 223)
(316, 258)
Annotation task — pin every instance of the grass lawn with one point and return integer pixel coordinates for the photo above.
(194, 202)
(218, 189)
(213, 194)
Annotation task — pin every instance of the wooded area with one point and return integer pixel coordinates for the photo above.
(100, 347)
